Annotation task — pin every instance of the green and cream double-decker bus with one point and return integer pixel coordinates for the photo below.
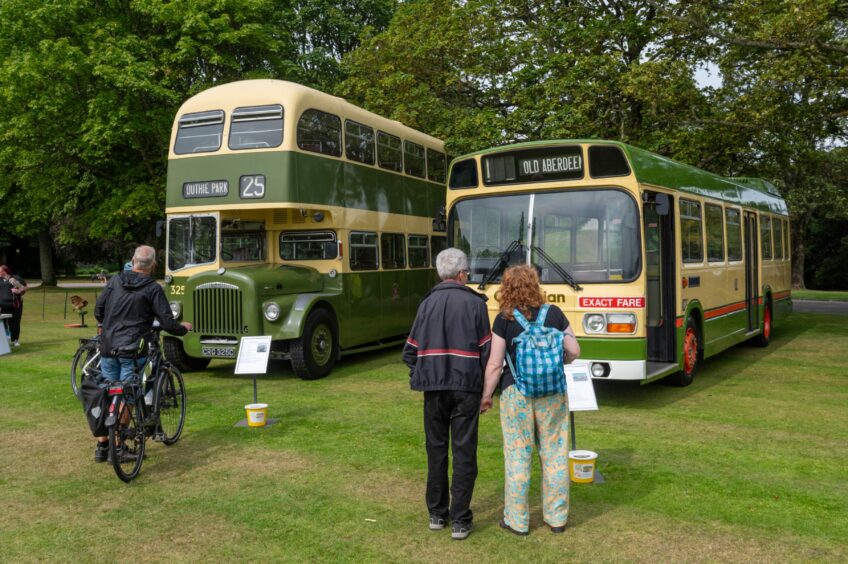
(295, 214)
(656, 264)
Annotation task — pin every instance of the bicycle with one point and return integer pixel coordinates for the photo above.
(85, 364)
(150, 404)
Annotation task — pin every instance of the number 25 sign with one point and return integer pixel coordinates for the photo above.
(252, 186)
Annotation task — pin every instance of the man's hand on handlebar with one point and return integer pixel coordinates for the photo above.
(186, 324)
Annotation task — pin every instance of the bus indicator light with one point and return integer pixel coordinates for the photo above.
(613, 303)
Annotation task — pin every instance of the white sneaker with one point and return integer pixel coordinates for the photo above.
(17, 343)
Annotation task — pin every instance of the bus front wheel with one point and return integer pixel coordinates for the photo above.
(176, 355)
(691, 344)
(314, 354)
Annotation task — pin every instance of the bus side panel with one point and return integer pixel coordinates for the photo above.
(362, 293)
(319, 180)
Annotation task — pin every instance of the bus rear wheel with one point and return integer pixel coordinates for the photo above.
(314, 354)
(176, 355)
(691, 345)
(764, 338)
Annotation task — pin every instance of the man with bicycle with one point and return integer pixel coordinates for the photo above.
(126, 309)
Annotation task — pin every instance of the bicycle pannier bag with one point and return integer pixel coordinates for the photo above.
(538, 369)
(95, 403)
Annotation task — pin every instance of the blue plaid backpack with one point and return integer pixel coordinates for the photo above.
(538, 357)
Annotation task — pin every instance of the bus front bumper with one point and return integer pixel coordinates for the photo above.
(619, 369)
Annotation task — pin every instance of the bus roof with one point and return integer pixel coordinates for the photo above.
(264, 91)
(651, 168)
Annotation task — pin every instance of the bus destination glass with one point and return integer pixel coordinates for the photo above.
(533, 165)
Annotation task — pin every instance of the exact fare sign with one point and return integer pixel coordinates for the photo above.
(613, 303)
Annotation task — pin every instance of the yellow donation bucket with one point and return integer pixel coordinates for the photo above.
(581, 466)
(257, 413)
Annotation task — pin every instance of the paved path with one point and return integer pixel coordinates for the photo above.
(814, 306)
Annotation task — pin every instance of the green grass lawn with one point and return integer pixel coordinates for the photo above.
(830, 296)
(747, 464)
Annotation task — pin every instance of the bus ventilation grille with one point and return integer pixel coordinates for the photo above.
(218, 309)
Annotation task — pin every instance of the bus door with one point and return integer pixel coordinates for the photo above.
(751, 282)
(660, 266)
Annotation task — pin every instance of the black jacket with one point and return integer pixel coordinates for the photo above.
(127, 307)
(449, 344)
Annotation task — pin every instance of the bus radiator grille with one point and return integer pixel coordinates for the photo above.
(218, 309)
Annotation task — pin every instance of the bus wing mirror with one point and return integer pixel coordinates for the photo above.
(663, 206)
(159, 225)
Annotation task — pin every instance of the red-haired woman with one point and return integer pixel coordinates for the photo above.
(528, 420)
(12, 290)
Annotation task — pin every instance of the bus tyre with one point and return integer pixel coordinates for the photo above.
(764, 338)
(314, 354)
(691, 344)
(176, 355)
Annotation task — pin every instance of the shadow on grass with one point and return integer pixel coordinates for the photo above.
(713, 371)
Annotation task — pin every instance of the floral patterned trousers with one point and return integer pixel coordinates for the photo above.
(544, 422)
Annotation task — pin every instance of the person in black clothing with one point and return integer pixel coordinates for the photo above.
(447, 351)
(12, 290)
(126, 308)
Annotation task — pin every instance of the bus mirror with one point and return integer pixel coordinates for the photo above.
(662, 204)
(159, 225)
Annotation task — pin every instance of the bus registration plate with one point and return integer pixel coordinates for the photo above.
(218, 352)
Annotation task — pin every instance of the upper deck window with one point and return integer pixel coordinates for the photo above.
(320, 132)
(606, 161)
(389, 155)
(413, 159)
(256, 127)
(359, 142)
(533, 165)
(463, 175)
(436, 166)
(200, 132)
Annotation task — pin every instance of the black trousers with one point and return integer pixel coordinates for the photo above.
(451, 418)
(14, 322)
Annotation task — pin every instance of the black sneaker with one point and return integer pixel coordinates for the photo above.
(436, 523)
(101, 453)
(460, 531)
(125, 456)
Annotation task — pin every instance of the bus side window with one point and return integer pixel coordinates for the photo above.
(734, 235)
(393, 251)
(320, 132)
(200, 132)
(436, 166)
(389, 155)
(359, 142)
(437, 245)
(418, 255)
(363, 251)
(413, 159)
(777, 224)
(765, 236)
(691, 239)
(715, 233)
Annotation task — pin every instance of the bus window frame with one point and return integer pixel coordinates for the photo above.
(372, 162)
(340, 140)
(410, 246)
(406, 166)
(741, 247)
(233, 121)
(700, 220)
(777, 225)
(215, 215)
(444, 169)
(384, 259)
(222, 115)
(331, 232)
(710, 259)
(375, 246)
(380, 162)
(763, 219)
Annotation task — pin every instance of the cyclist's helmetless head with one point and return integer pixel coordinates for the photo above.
(144, 259)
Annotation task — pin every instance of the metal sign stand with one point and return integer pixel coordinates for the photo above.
(253, 359)
(581, 397)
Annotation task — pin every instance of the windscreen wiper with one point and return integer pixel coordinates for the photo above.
(500, 265)
(569, 279)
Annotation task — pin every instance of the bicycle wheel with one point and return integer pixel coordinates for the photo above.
(85, 365)
(126, 441)
(171, 408)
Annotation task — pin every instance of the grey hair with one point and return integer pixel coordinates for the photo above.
(144, 257)
(450, 263)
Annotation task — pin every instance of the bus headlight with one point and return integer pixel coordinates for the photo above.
(272, 311)
(594, 323)
(176, 309)
(621, 323)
